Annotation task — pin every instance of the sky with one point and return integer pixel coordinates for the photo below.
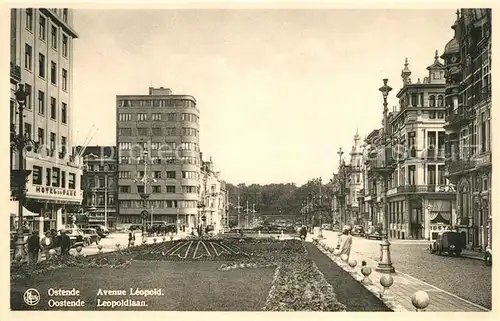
(279, 91)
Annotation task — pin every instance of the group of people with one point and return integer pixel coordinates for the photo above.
(51, 240)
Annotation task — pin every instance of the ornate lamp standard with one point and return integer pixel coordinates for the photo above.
(145, 180)
(20, 175)
(385, 169)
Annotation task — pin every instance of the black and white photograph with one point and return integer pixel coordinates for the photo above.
(256, 158)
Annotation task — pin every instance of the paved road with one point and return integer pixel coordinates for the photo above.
(467, 278)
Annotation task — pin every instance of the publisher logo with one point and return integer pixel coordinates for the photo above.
(31, 297)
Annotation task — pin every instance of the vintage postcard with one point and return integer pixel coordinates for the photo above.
(271, 158)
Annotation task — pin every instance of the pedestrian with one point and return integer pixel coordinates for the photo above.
(303, 233)
(33, 247)
(346, 242)
(64, 242)
(47, 243)
(130, 238)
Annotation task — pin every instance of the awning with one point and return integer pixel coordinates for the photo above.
(14, 210)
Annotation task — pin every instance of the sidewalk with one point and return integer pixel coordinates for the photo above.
(398, 297)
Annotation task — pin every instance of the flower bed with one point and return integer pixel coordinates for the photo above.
(23, 270)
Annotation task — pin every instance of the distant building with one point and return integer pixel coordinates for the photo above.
(212, 198)
(41, 59)
(166, 126)
(468, 125)
(100, 184)
(355, 181)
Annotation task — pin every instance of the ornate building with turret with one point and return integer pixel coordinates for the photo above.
(355, 181)
(468, 130)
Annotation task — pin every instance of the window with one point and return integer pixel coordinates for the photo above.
(432, 115)
(29, 19)
(63, 179)
(440, 101)
(41, 102)
(190, 175)
(441, 175)
(41, 65)
(140, 189)
(156, 116)
(124, 189)
(125, 131)
(432, 101)
(125, 117)
(170, 131)
(484, 140)
(53, 72)
(170, 189)
(440, 115)
(28, 57)
(27, 130)
(48, 177)
(64, 113)
(170, 174)
(142, 117)
(65, 79)
(42, 28)
(124, 160)
(411, 175)
(54, 37)
(142, 131)
(125, 146)
(65, 15)
(413, 100)
(155, 146)
(55, 176)
(41, 136)
(171, 117)
(63, 144)
(189, 189)
(157, 174)
(186, 131)
(71, 181)
(157, 189)
(431, 170)
(52, 141)
(65, 45)
(28, 90)
(101, 182)
(53, 108)
(156, 131)
(37, 175)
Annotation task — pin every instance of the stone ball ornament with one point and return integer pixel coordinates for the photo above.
(52, 252)
(344, 257)
(164, 239)
(420, 300)
(386, 281)
(117, 245)
(154, 239)
(79, 249)
(336, 252)
(99, 247)
(366, 271)
(352, 263)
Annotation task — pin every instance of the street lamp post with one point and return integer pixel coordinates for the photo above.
(145, 180)
(340, 194)
(21, 174)
(385, 171)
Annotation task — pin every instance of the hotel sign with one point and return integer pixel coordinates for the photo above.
(56, 194)
(446, 188)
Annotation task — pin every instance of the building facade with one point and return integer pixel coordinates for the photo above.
(212, 199)
(166, 127)
(100, 184)
(355, 180)
(468, 130)
(421, 201)
(372, 185)
(41, 60)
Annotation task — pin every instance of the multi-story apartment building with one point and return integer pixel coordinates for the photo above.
(355, 180)
(420, 199)
(166, 126)
(41, 60)
(100, 184)
(468, 129)
(212, 198)
(372, 185)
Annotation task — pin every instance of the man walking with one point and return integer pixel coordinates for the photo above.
(33, 247)
(346, 242)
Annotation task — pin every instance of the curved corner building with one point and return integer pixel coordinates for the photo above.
(166, 126)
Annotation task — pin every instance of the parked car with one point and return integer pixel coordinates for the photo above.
(90, 236)
(488, 256)
(102, 231)
(373, 233)
(358, 230)
(448, 242)
(76, 236)
(327, 227)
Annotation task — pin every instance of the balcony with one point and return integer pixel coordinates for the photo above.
(15, 71)
(460, 117)
(460, 166)
(418, 189)
(482, 160)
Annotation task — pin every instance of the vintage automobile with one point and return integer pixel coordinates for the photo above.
(90, 236)
(358, 230)
(373, 233)
(488, 256)
(449, 242)
(76, 236)
(102, 231)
